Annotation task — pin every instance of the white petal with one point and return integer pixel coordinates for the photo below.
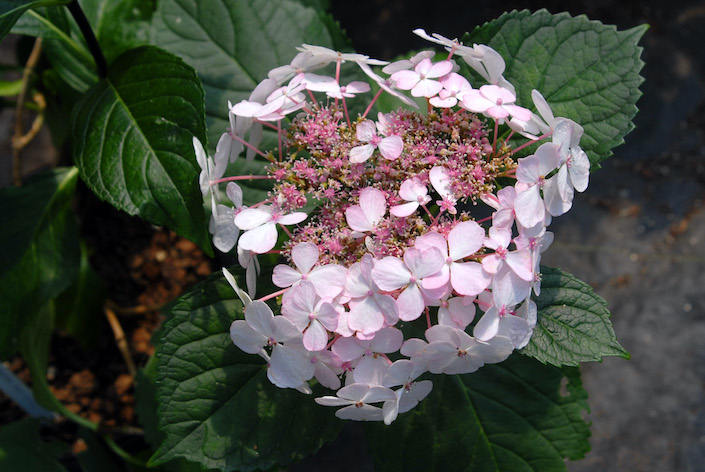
(250, 218)
(260, 239)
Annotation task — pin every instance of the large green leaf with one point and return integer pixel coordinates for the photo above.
(119, 25)
(132, 136)
(40, 252)
(216, 405)
(21, 448)
(233, 44)
(504, 417)
(587, 71)
(12, 10)
(573, 323)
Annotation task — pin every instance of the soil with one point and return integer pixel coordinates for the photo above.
(143, 268)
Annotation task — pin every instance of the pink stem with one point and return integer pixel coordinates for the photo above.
(529, 143)
(335, 338)
(313, 99)
(242, 177)
(428, 317)
(496, 130)
(279, 136)
(273, 295)
(345, 108)
(374, 99)
(238, 138)
(286, 230)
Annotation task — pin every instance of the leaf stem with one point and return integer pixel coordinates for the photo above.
(90, 38)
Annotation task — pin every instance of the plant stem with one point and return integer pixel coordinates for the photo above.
(19, 141)
(90, 38)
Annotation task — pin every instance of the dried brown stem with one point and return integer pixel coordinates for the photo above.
(132, 310)
(120, 340)
(19, 137)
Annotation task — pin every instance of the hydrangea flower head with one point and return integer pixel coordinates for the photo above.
(379, 223)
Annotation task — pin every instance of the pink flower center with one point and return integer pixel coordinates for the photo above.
(500, 101)
(311, 316)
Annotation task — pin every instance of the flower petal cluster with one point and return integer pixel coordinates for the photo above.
(377, 225)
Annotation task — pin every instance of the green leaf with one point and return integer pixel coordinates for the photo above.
(21, 448)
(132, 135)
(39, 249)
(504, 417)
(573, 323)
(12, 10)
(216, 405)
(64, 45)
(79, 310)
(587, 71)
(10, 88)
(233, 44)
(119, 25)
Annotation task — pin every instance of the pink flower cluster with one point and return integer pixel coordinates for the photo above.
(394, 243)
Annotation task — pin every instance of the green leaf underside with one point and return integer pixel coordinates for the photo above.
(40, 225)
(573, 323)
(12, 10)
(586, 71)
(504, 417)
(216, 405)
(233, 44)
(21, 448)
(133, 140)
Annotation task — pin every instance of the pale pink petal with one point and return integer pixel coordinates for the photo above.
(250, 218)
(366, 317)
(390, 273)
(580, 171)
(405, 79)
(246, 338)
(328, 279)
(520, 262)
(360, 413)
(488, 325)
(360, 154)
(373, 203)
(305, 256)
(285, 276)
(426, 88)
(292, 218)
(423, 263)
(348, 349)
(465, 239)
(290, 366)
(529, 207)
(391, 147)
(259, 240)
(474, 101)
(410, 303)
(518, 112)
(439, 69)
(404, 210)
(315, 337)
(366, 131)
(328, 316)
(357, 219)
(469, 278)
(259, 316)
(387, 340)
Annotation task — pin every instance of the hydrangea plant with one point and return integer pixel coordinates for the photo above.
(381, 225)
